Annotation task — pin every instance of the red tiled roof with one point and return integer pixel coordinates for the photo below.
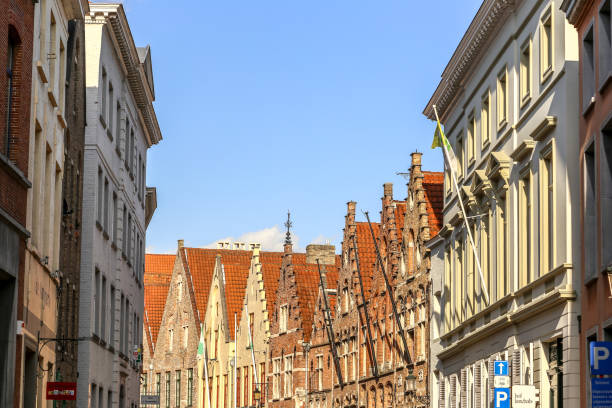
(157, 276)
(307, 282)
(271, 263)
(400, 212)
(367, 252)
(433, 183)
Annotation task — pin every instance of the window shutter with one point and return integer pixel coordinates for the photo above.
(477, 385)
(464, 387)
(453, 391)
(442, 396)
(516, 366)
(490, 390)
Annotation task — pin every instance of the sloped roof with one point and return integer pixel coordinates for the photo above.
(307, 282)
(157, 276)
(367, 252)
(400, 213)
(236, 266)
(271, 263)
(433, 183)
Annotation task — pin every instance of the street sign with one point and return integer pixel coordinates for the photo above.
(601, 357)
(500, 367)
(61, 391)
(501, 381)
(524, 396)
(601, 392)
(149, 399)
(502, 397)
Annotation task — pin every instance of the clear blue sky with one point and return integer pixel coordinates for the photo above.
(267, 106)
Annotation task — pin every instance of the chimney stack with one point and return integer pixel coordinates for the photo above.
(181, 243)
(325, 253)
(388, 190)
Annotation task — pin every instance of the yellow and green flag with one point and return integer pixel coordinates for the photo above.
(440, 140)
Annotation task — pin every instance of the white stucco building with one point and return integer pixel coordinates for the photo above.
(121, 126)
(508, 99)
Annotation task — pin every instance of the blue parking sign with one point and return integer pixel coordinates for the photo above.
(502, 397)
(500, 367)
(601, 357)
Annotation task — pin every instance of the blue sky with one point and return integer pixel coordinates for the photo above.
(269, 105)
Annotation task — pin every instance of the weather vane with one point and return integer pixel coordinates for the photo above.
(288, 224)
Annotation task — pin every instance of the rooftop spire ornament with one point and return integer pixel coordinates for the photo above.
(288, 224)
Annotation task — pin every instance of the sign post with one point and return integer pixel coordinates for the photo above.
(600, 353)
(501, 382)
(61, 391)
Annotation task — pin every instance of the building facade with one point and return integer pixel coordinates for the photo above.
(72, 199)
(17, 25)
(121, 127)
(507, 99)
(47, 141)
(592, 20)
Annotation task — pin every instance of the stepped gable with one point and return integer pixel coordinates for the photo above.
(433, 184)
(236, 267)
(157, 276)
(271, 263)
(400, 214)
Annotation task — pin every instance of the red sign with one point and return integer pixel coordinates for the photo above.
(61, 391)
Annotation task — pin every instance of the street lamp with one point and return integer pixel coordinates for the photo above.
(410, 382)
(257, 395)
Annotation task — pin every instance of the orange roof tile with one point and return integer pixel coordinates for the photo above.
(157, 276)
(271, 263)
(400, 213)
(367, 252)
(433, 183)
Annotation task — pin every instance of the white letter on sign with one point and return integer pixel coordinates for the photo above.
(501, 396)
(600, 353)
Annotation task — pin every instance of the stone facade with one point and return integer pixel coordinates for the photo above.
(121, 127)
(508, 104)
(17, 28)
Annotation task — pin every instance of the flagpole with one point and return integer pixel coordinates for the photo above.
(235, 361)
(467, 225)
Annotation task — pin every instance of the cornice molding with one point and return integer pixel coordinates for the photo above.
(486, 22)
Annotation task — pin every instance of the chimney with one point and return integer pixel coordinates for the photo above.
(255, 248)
(239, 245)
(388, 190)
(325, 253)
(181, 243)
(416, 158)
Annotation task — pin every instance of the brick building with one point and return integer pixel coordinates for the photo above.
(592, 20)
(72, 199)
(16, 28)
(292, 323)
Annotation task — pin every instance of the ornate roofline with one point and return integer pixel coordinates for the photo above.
(134, 70)
(483, 26)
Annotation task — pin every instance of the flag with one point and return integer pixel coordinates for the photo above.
(440, 140)
(201, 343)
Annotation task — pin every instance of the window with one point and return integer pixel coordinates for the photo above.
(546, 46)
(111, 341)
(484, 253)
(97, 303)
(283, 318)
(288, 376)
(345, 300)
(52, 52)
(9, 94)
(525, 272)
(109, 401)
(126, 141)
(319, 372)
(502, 98)
(118, 123)
(103, 310)
(121, 323)
(460, 157)
(588, 69)
(547, 211)
(485, 118)
(590, 215)
(470, 138)
(124, 239)
(525, 72)
(104, 92)
(110, 110)
(100, 196)
(605, 43)
(158, 383)
(446, 294)
(106, 204)
(606, 193)
(167, 389)
(115, 218)
(171, 339)
(502, 250)
(189, 387)
(276, 363)
(177, 388)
